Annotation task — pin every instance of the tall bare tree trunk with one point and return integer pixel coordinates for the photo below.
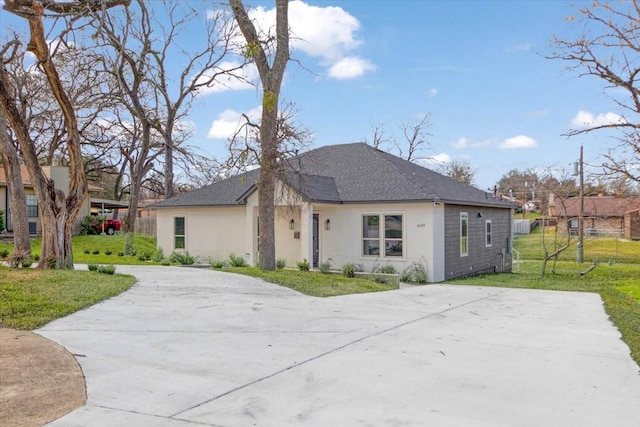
(17, 198)
(271, 78)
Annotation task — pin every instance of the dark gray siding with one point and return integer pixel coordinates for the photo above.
(481, 259)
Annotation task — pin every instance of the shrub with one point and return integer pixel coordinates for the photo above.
(108, 252)
(36, 257)
(349, 270)
(324, 267)
(51, 262)
(145, 256)
(181, 258)
(165, 262)
(415, 273)
(96, 251)
(303, 265)
(280, 263)
(120, 253)
(217, 264)
(87, 251)
(93, 267)
(19, 258)
(388, 269)
(237, 261)
(26, 263)
(4, 253)
(90, 224)
(158, 256)
(1, 220)
(107, 269)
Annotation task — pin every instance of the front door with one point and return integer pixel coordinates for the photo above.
(316, 241)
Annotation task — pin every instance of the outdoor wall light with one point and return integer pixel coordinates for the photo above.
(479, 214)
(327, 224)
(292, 224)
(436, 201)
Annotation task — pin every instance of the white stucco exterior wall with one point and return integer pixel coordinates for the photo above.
(209, 232)
(423, 235)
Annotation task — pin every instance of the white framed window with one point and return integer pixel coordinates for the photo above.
(32, 205)
(179, 232)
(487, 233)
(464, 233)
(382, 235)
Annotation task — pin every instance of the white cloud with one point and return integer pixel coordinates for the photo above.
(437, 160)
(586, 120)
(350, 67)
(520, 141)
(522, 47)
(327, 33)
(238, 79)
(229, 121)
(433, 92)
(464, 142)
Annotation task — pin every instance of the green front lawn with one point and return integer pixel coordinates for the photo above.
(314, 283)
(110, 249)
(31, 298)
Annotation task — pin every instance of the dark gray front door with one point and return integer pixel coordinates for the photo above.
(316, 240)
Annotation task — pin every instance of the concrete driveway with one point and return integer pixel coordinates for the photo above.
(192, 347)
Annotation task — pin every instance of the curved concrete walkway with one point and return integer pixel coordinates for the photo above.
(190, 347)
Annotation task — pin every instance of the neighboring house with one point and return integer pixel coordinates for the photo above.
(345, 204)
(60, 175)
(603, 215)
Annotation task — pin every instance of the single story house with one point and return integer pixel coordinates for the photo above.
(602, 215)
(347, 203)
(60, 175)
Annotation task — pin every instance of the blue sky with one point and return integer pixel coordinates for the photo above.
(477, 67)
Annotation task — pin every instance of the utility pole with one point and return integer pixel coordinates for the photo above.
(580, 246)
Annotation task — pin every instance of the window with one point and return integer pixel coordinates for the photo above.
(178, 232)
(32, 206)
(385, 235)
(487, 228)
(464, 234)
(393, 235)
(371, 235)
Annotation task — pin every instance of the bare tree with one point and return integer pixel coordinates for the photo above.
(460, 171)
(415, 136)
(58, 211)
(608, 50)
(271, 72)
(378, 140)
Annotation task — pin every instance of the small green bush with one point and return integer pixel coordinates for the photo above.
(96, 251)
(324, 267)
(1, 220)
(303, 265)
(36, 257)
(93, 267)
(415, 273)
(217, 264)
(388, 269)
(158, 256)
(237, 261)
(181, 258)
(165, 262)
(145, 256)
(107, 269)
(280, 263)
(120, 253)
(349, 270)
(26, 263)
(4, 253)
(19, 258)
(87, 251)
(108, 252)
(51, 262)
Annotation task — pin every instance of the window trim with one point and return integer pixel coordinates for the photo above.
(184, 230)
(33, 207)
(464, 234)
(488, 233)
(382, 238)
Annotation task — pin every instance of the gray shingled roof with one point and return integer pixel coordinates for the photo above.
(347, 173)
